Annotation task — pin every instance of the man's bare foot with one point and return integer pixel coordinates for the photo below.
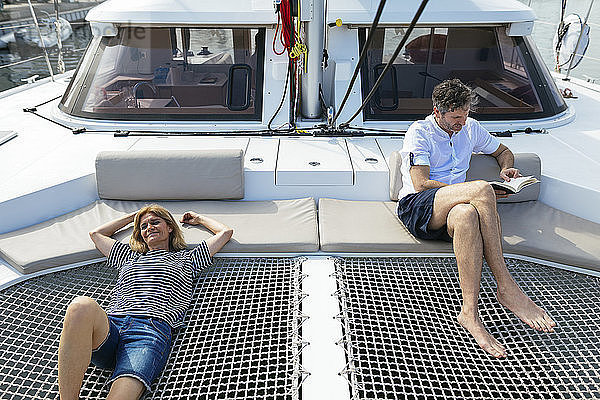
(482, 336)
(523, 307)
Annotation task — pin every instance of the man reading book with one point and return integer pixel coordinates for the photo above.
(435, 202)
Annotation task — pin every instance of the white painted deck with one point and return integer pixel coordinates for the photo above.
(47, 171)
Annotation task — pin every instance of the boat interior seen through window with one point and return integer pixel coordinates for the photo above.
(170, 73)
(497, 66)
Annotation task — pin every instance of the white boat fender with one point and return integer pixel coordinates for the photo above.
(566, 39)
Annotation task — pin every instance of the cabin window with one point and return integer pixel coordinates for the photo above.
(171, 74)
(502, 71)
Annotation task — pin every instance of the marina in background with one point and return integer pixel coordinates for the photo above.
(548, 17)
(19, 63)
(547, 11)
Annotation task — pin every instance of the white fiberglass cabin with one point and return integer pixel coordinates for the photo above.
(237, 111)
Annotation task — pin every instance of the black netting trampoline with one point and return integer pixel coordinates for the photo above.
(241, 340)
(402, 340)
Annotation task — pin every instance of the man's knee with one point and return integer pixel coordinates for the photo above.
(483, 191)
(463, 215)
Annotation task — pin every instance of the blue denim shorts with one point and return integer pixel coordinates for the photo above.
(135, 346)
(415, 210)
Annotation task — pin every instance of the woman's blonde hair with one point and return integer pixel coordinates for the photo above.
(176, 240)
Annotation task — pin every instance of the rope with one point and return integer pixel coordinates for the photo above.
(289, 37)
(58, 25)
(286, 35)
(287, 77)
(391, 62)
(363, 55)
(34, 58)
(561, 32)
(37, 26)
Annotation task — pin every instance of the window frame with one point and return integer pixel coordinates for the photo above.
(76, 108)
(531, 61)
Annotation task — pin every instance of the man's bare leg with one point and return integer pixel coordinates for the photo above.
(85, 327)
(481, 196)
(463, 226)
(511, 296)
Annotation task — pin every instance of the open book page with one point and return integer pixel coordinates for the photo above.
(515, 184)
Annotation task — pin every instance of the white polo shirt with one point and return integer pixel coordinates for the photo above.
(425, 143)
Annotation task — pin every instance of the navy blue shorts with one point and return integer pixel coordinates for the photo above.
(135, 346)
(415, 210)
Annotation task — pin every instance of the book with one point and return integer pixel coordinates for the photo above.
(515, 184)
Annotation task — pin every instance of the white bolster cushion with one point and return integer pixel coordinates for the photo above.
(486, 167)
(170, 175)
(481, 167)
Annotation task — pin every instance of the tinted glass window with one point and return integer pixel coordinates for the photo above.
(70, 95)
(173, 73)
(486, 59)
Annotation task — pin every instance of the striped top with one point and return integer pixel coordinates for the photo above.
(157, 284)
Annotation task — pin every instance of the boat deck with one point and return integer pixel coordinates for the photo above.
(46, 159)
(45, 155)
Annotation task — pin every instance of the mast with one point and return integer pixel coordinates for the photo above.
(311, 81)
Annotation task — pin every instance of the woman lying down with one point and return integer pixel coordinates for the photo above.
(152, 294)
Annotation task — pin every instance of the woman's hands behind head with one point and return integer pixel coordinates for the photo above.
(222, 233)
(191, 218)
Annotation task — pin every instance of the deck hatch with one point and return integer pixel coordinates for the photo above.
(402, 341)
(242, 338)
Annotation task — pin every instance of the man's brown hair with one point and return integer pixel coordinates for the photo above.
(451, 95)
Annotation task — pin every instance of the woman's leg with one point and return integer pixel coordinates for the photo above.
(126, 388)
(84, 329)
(141, 355)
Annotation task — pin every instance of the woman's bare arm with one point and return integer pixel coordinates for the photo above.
(101, 236)
(222, 232)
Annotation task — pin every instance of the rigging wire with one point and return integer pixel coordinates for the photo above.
(7, 26)
(561, 32)
(35, 58)
(390, 62)
(20, 62)
(283, 97)
(124, 133)
(58, 25)
(363, 55)
(291, 39)
(37, 26)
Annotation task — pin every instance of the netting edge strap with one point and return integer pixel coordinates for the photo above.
(299, 374)
(349, 371)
